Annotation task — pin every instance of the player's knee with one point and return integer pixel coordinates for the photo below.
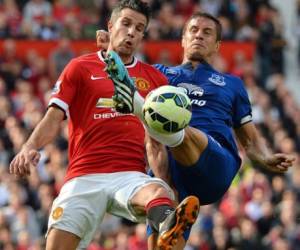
(160, 191)
(149, 193)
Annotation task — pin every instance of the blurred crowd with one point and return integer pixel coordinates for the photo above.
(78, 19)
(256, 21)
(260, 211)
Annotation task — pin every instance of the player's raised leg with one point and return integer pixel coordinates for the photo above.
(155, 201)
(128, 100)
(123, 83)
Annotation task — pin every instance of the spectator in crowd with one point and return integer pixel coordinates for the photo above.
(34, 13)
(59, 58)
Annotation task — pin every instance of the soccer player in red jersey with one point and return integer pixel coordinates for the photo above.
(106, 171)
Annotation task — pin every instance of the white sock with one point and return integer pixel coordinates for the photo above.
(171, 140)
(138, 102)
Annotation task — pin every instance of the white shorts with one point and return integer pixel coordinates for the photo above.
(83, 202)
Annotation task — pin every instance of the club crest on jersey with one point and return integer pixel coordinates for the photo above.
(192, 89)
(141, 84)
(56, 87)
(217, 80)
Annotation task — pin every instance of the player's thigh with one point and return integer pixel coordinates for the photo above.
(210, 177)
(130, 184)
(189, 151)
(79, 208)
(155, 189)
(61, 240)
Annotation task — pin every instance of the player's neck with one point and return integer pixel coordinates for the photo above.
(125, 59)
(195, 63)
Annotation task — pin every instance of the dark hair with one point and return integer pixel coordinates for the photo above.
(208, 16)
(136, 5)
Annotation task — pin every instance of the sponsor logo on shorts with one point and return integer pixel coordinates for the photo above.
(57, 213)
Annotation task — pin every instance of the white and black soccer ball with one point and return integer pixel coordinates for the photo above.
(167, 109)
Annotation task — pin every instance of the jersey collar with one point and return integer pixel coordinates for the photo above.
(127, 65)
(189, 66)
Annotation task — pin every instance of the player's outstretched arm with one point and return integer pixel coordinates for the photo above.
(44, 133)
(258, 151)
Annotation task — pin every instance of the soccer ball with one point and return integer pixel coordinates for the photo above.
(167, 109)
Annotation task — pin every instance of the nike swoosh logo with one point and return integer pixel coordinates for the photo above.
(97, 78)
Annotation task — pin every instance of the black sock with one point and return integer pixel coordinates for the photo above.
(158, 214)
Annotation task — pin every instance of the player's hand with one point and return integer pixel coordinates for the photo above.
(102, 39)
(20, 165)
(279, 163)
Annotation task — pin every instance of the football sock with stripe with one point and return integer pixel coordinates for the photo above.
(157, 211)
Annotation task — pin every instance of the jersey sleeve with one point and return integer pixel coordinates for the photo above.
(161, 68)
(170, 73)
(66, 87)
(242, 112)
(160, 78)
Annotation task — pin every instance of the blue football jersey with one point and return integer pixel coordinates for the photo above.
(219, 101)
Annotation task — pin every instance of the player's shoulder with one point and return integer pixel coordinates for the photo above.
(81, 60)
(148, 67)
(85, 62)
(226, 79)
(173, 73)
(167, 70)
(235, 81)
(233, 78)
(151, 70)
(86, 58)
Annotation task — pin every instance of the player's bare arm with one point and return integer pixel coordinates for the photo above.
(258, 151)
(44, 133)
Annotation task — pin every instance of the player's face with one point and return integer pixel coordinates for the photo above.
(126, 32)
(199, 39)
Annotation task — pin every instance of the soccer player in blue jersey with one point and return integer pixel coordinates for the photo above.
(203, 158)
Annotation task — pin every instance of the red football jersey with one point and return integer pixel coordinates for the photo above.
(100, 139)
